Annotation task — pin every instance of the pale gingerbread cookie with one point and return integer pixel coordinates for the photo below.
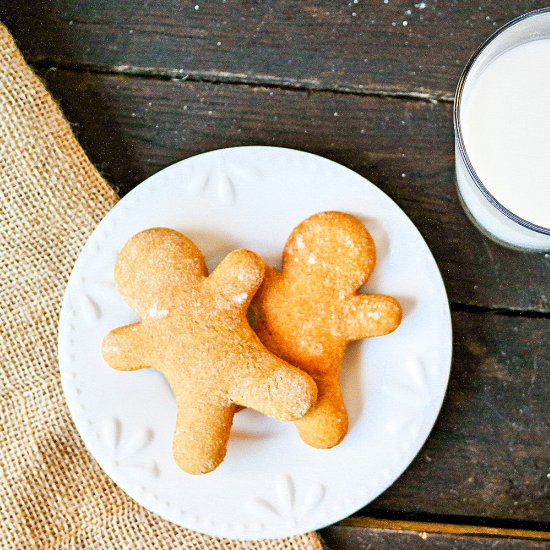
(194, 330)
(310, 311)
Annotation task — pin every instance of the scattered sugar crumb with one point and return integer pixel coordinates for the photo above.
(317, 349)
(197, 7)
(405, 23)
(408, 12)
(240, 298)
(218, 43)
(420, 5)
(154, 312)
(300, 242)
(403, 175)
(335, 113)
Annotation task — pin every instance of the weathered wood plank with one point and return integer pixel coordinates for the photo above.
(398, 46)
(344, 537)
(132, 127)
(489, 454)
(364, 522)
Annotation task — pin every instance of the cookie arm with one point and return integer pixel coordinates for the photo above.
(273, 387)
(237, 277)
(125, 348)
(371, 315)
(201, 433)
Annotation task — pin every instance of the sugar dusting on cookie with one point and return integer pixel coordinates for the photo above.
(240, 298)
(155, 312)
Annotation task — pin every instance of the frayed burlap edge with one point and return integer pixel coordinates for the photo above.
(52, 493)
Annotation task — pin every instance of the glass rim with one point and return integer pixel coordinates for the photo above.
(458, 130)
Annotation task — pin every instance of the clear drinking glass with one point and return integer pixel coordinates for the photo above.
(484, 210)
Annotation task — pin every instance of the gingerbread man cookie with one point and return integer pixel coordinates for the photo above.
(310, 311)
(194, 330)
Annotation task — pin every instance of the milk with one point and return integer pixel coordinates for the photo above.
(502, 131)
(505, 118)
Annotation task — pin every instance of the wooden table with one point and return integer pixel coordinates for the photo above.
(369, 84)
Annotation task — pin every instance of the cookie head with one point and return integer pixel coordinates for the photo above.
(153, 266)
(331, 248)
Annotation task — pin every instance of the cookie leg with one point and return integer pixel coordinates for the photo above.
(201, 434)
(326, 424)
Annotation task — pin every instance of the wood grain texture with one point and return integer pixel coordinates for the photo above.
(132, 127)
(488, 455)
(342, 537)
(398, 46)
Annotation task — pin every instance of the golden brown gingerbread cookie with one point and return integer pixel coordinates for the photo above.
(194, 330)
(309, 312)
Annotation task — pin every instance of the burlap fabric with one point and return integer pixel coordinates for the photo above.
(52, 493)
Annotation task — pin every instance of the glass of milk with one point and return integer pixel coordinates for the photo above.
(502, 134)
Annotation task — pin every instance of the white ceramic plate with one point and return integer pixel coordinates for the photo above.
(271, 484)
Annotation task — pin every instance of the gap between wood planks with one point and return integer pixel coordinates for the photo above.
(443, 528)
(265, 81)
(506, 312)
